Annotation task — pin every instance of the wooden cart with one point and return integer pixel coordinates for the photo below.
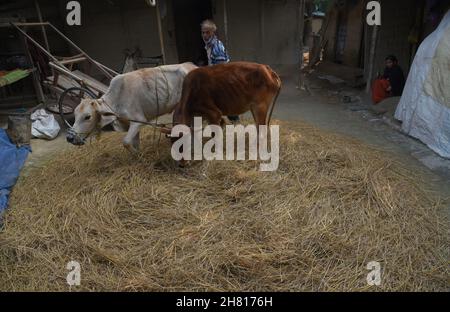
(68, 84)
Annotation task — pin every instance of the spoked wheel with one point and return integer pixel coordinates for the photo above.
(69, 100)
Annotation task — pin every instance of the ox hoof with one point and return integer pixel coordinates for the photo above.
(134, 151)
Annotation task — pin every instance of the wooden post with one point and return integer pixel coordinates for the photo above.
(160, 31)
(27, 37)
(421, 11)
(44, 33)
(373, 46)
(315, 52)
(300, 38)
(262, 31)
(36, 80)
(225, 22)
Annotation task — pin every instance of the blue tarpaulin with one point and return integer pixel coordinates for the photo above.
(12, 160)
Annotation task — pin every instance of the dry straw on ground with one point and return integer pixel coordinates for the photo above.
(143, 224)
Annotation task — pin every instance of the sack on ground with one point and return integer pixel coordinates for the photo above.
(44, 125)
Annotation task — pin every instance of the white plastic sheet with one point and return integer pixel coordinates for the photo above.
(44, 125)
(437, 85)
(424, 117)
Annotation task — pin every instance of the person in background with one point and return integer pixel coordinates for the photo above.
(391, 83)
(215, 49)
(394, 74)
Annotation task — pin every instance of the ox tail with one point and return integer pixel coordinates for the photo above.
(279, 84)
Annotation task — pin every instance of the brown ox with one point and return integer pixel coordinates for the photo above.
(226, 90)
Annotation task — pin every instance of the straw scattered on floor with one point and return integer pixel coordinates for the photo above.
(143, 224)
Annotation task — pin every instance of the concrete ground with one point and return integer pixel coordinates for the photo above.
(323, 106)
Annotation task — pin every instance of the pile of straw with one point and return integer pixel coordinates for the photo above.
(143, 224)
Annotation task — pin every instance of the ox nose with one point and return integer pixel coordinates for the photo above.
(73, 139)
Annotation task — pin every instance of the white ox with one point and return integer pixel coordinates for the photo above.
(141, 95)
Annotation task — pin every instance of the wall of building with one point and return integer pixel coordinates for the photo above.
(110, 27)
(400, 19)
(169, 31)
(397, 20)
(331, 24)
(263, 31)
(355, 30)
(245, 34)
(350, 17)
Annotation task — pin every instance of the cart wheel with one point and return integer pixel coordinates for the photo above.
(69, 100)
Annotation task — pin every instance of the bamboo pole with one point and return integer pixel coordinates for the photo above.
(300, 38)
(44, 33)
(36, 80)
(27, 24)
(373, 46)
(45, 51)
(108, 73)
(160, 31)
(225, 22)
(262, 31)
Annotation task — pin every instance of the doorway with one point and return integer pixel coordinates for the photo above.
(341, 36)
(188, 16)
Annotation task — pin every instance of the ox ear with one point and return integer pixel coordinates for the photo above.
(107, 117)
